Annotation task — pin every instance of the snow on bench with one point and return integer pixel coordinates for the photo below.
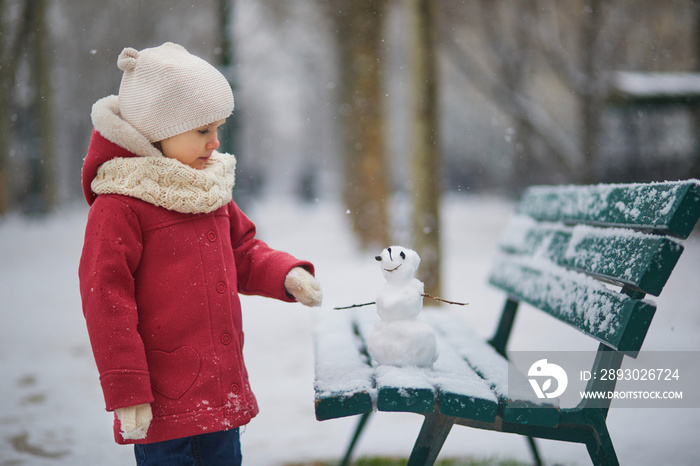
(517, 401)
(660, 207)
(451, 384)
(595, 251)
(576, 299)
(469, 379)
(344, 381)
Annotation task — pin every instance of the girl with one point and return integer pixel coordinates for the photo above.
(166, 253)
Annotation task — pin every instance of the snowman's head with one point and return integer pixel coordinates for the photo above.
(398, 264)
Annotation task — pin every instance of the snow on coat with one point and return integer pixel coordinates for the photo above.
(160, 297)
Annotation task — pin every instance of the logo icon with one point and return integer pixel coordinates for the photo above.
(543, 370)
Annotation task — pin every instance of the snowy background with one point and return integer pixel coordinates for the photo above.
(51, 410)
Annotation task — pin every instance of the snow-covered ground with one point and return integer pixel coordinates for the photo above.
(51, 408)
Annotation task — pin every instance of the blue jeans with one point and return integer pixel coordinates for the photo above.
(214, 449)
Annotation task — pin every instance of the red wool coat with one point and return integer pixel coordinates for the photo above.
(160, 297)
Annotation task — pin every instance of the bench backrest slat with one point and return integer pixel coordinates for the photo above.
(668, 208)
(564, 239)
(608, 316)
(641, 262)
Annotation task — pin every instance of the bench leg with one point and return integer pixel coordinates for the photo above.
(600, 447)
(358, 431)
(435, 430)
(535, 451)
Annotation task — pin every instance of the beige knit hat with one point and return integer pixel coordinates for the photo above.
(166, 91)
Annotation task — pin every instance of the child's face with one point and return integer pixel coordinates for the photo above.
(194, 147)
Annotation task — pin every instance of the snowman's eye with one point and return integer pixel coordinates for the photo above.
(403, 255)
(378, 258)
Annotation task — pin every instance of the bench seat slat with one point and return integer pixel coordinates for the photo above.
(670, 208)
(461, 391)
(517, 401)
(584, 303)
(403, 389)
(640, 261)
(343, 383)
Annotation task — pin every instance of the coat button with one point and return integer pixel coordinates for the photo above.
(211, 236)
(234, 388)
(221, 287)
(226, 339)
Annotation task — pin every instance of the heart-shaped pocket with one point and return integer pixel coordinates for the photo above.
(172, 374)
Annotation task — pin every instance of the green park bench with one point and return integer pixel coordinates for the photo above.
(562, 250)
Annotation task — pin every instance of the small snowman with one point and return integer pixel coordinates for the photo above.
(401, 338)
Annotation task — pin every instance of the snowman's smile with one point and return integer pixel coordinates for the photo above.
(391, 270)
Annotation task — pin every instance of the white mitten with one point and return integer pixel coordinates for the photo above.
(304, 287)
(135, 421)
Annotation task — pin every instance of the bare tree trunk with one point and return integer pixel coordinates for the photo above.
(10, 50)
(591, 101)
(517, 79)
(6, 83)
(427, 158)
(46, 172)
(359, 27)
(226, 61)
(694, 171)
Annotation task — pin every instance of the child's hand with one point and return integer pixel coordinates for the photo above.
(304, 287)
(135, 421)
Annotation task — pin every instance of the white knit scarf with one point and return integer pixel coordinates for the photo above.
(168, 183)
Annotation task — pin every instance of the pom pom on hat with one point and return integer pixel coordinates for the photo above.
(127, 59)
(166, 91)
